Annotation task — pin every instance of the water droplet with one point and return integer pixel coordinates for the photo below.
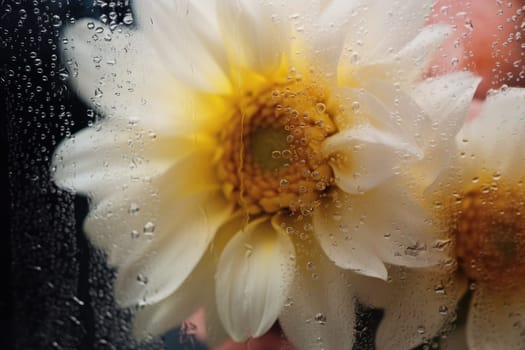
(354, 58)
(337, 216)
(128, 18)
(98, 93)
(78, 301)
(415, 249)
(133, 208)
(63, 74)
(443, 310)
(442, 244)
(249, 250)
(320, 107)
(142, 279)
(149, 228)
(135, 234)
(439, 288)
(320, 186)
(320, 318)
(57, 21)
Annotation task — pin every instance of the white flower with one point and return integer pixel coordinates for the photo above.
(243, 141)
(477, 205)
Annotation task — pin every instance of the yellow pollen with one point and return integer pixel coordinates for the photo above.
(271, 149)
(490, 236)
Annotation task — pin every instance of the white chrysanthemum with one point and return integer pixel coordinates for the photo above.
(247, 145)
(477, 205)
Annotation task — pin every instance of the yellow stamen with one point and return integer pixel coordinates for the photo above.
(271, 157)
(489, 231)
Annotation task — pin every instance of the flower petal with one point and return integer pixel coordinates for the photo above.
(172, 25)
(333, 23)
(496, 319)
(398, 228)
(196, 291)
(397, 231)
(320, 311)
(446, 101)
(495, 139)
(111, 75)
(256, 33)
(113, 154)
(344, 249)
(402, 66)
(386, 26)
(152, 277)
(253, 277)
(106, 70)
(417, 52)
(364, 157)
(151, 226)
(420, 304)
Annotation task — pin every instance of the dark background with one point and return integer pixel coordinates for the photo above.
(56, 289)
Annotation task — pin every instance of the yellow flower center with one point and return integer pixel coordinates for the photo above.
(489, 231)
(271, 149)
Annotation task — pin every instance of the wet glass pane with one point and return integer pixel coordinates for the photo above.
(343, 174)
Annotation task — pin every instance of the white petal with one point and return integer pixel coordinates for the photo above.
(496, 320)
(125, 79)
(253, 277)
(148, 228)
(194, 293)
(421, 303)
(396, 231)
(108, 70)
(387, 107)
(333, 27)
(418, 51)
(495, 139)
(256, 33)
(446, 101)
(112, 154)
(189, 224)
(398, 227)
(345, 249)
(319, 313)
(186, 37)
(399, 52)
(365, 156)
(386, 26)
